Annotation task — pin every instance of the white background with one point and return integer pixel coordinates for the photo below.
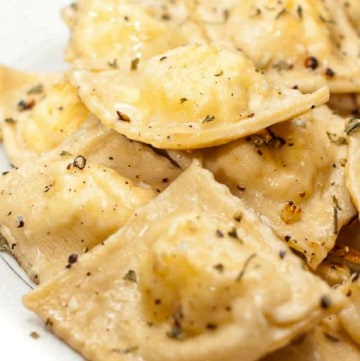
(32, 37)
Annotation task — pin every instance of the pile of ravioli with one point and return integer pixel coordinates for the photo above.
(189, 189)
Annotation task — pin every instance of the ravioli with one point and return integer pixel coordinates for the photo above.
(292, 175)
(37, 112)
(190, 97)
(193, 275)
(53, 210)
(327, 43)
(115, 34)
(302, 42)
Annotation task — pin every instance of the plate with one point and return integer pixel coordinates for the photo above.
(33, 38)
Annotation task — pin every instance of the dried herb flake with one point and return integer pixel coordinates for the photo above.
(353, 125)
(131, 276)
(336, 139)
(331, 338)
(122, 116)
(37, 89)
(10, 121)
(208, 118)
(246, 264)
(113, 64)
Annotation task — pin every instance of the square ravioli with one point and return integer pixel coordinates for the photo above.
(190, 97)
(53, 210)
(302, 43)
(292, 175)
(38, 112)
(193, 275)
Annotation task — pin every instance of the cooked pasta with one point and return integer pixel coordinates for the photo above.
(188, 189)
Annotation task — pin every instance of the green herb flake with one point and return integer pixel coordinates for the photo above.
(131, 276)
(336, 202)
(336, 139)
(183, 100)
(219, 73)
(331, 338)
(324, 20)
(336, 221)
(342, 162)
(245, 266)
(299, 11)
(10, 120)
(353, 125)
(37, 89)
(232, 233)
(219, 267)
(34, 335)
(4, 245)
(128, 350)
(113, 64)
(64, 153)
(280, 14)
(208, 118)
(176, 332)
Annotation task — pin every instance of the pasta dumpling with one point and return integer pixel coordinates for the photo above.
(193, 275)
(191, 97)
(38, 112)
(53, 210)
(303, 43)
(292, 175)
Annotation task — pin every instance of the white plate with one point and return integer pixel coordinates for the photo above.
(32, 37)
